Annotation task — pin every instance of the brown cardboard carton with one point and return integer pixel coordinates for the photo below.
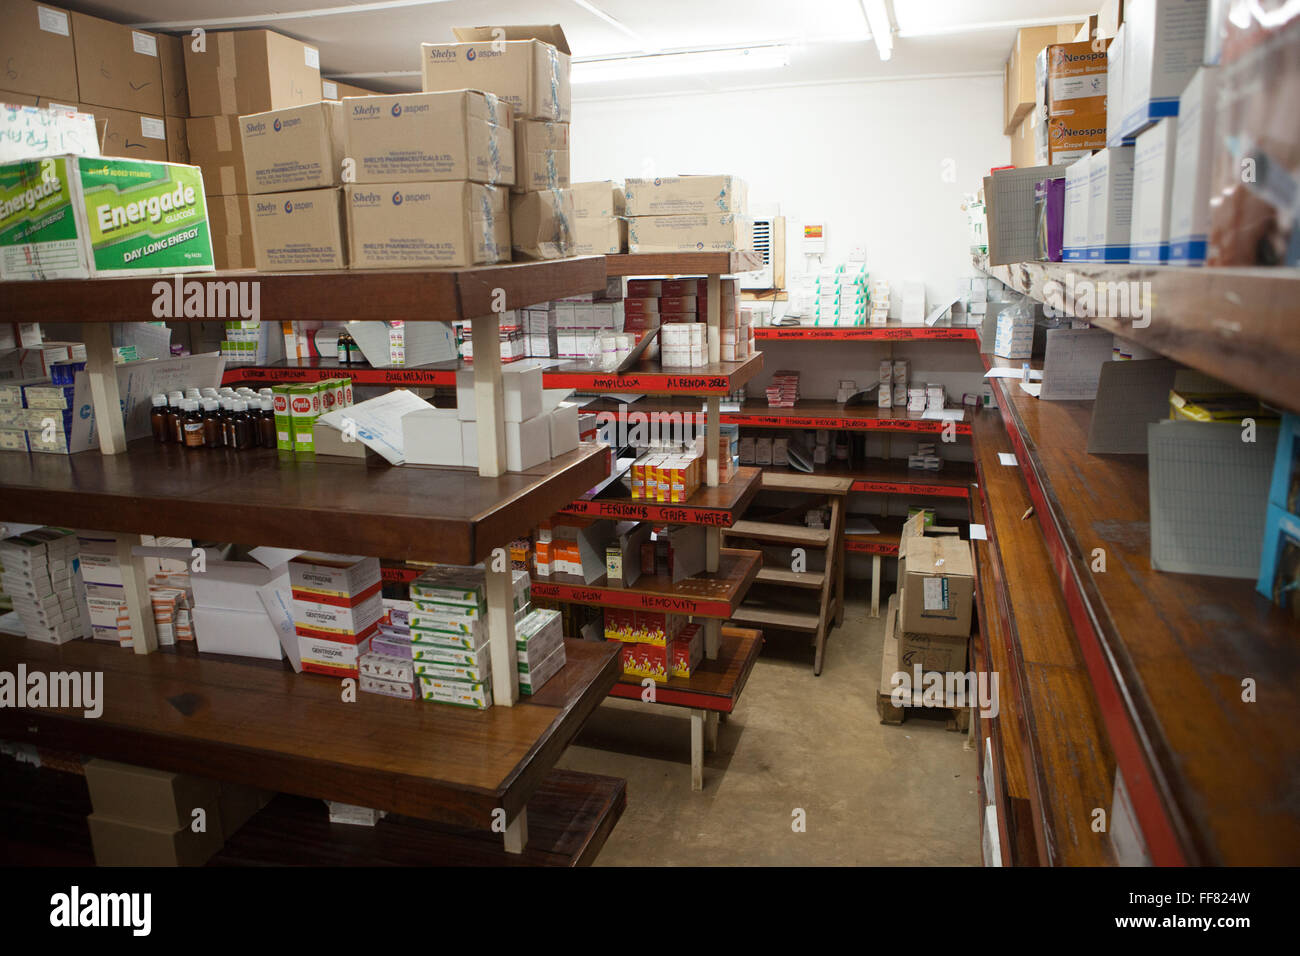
(151, 797)
(39, 56)
(599, 237)
(500, 199)
(228, 215)
(603, 199)
(299, 147)
(541, 155)
(171, 58)
(337, 89)
(238, 804)
(217, 148)
(178, 143)
(462, 136)
(682, 195)
(933, 652)
(117, 66)
(526, 66)
(1020, 73)
(120, 843)
(234, 251)
(937, 581)
(541, 224)
(1069, 137)
(128, 134)
(251, 71)
(422, 224)
(300, 230)
(17, 99)
(706, 232)
(1076, 79)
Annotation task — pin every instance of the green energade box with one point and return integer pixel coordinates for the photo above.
(67, 217)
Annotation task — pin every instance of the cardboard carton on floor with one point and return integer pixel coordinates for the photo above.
(40, 58)
(298, 147)
(541, 224)
(944, 653)
(298, 230)
(119, 843)
(430, 137)
(937, 583)
(117, 66)
(250, 71)
(527, 66)
(147, 797)
(428, 224)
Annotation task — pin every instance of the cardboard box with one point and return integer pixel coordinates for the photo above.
(39, 56)
(228, 215)
(526, 66)
(1070, 138)
(175, 88)
(1074, 239)
(932, 652)
(604, 199)
(1189, 209)
(686, 195)
(1076, 79)
(247, 633)
(296, 231)
(1110, 204)
(130, 135)
(117, 66)
(118, 843)
(541, 155)
(430, 137)
(76, 216)
(1164, 43)
(251, 71)
(936, 579)
(1019, 74)
(337, 89)
(709, 232)
(332, 658)
(541, 224)
(298, 147)
(217, 148)
(528, 443)
(431, 436)
(422, 224)
(599, 237)
(157, 798)
(178, 141)
(1153, 181)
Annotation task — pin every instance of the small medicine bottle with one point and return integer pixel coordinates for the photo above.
(266, 423)
(212, 423)
(158, 418)
(174, 412)
(227, 422)
(192, 424)
(242, 425)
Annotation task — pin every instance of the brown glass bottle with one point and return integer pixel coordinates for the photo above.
(266, 423)
(158, 418)
(174, 413)
(192, 424)
(243, 426)
(212, 437)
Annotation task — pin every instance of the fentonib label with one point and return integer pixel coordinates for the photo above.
(143, 216)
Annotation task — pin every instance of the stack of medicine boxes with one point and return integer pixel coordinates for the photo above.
(41, 574)
(843, 296)
(337, 605)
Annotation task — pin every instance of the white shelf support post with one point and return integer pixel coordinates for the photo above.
(104, 395)
(135, 589)
(517, 832)
(715, 318)
(501, 631)
(697, 750)
(489, 400)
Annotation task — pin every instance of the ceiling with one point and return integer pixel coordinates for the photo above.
(375, 43)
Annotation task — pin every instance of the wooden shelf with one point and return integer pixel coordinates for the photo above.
(1053, 763)
(716, 507)
(437, 295)
(1210, 777)
(447, 515)
(715, 685)
(816, 413)
(267, 727)
(715, 595)
(1237, 324)
(890, 332)
(893, 477)
(716, 378)
(884, 542)
(313, 370)
(682, 263)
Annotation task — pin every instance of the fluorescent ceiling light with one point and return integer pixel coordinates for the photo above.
(680, 64)
(882, 32)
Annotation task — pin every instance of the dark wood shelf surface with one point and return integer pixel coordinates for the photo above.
(447, 515)
(436, 295)
(717, 507)
(650, 378)
(888, 332)
(716, 684)
(1237, 324)
(1210, 776)
(682, 263)
(893, 477)
(267, 727)
(712, 595)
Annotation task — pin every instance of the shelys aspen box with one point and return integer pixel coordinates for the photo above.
(66, 217)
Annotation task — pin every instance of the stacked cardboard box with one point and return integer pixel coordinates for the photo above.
(539, 643)
(232, 74)
(656, 644)
(40, 572)
(658, 303)
(599, 226)
(449, 637)
(539, 423)
(336, 610)
(843, 296)
(688, 214)
(783, 392)
(101, 574)
(1071, 107)
(936, 594)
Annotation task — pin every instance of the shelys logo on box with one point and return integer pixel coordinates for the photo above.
(366, 199)
(442, 53)
(255, 127)
(359, 109)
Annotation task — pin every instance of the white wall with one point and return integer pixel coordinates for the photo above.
(866, 158)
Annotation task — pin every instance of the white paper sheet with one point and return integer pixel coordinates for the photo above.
(978, 533)
(1073, 362)
(944, 414)
(379, 422)
(1032, 388)
(277, 598)
(1008, 458)
(1035, 374)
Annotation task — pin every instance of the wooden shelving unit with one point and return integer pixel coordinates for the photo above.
(313, 370)
(718, 506)
(713, 594)
(649, 378)
(682, 263)
(813, 413)
(890, 332)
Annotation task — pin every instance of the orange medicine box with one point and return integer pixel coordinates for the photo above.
(687, 650)
(650, 660)
(620, 624)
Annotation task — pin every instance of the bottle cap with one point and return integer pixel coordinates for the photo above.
(159, 400)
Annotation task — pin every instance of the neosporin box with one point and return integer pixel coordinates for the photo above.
(67, 217)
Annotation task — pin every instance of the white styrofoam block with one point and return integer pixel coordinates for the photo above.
(469, 443)
(528, 443)
(521, 386)
(431, 436)
(563, 428)
(465, 395)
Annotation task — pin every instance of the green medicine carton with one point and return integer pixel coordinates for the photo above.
(65, 217)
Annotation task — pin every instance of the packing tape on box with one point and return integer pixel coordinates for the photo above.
(566, 230)
(226, 81)
(225, 141)
(490, 235)
(227, 180)
(493, 119)
(552, 171)
(494, 151)
(555, 81)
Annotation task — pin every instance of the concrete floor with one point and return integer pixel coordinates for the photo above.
(873, 795)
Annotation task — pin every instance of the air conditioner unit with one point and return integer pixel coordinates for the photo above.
(769, 243)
